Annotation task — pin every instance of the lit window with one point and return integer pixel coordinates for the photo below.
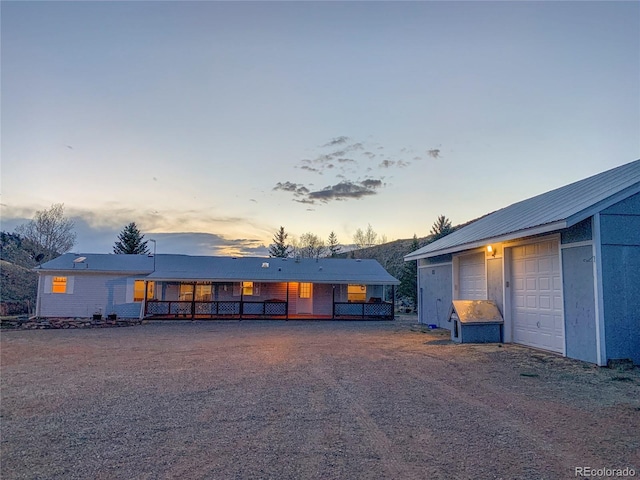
(138, 290)
(305, 290)
(247, 288)
(186, 292)
(356, 293)
(59, 285)
(203, 293)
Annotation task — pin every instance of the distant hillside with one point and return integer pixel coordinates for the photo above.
(18, 288)
(389, 255)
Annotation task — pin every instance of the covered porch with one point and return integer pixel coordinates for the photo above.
(265, 300)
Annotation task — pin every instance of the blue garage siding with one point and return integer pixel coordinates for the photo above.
(620, 239)
(579, 303)
(434, 294)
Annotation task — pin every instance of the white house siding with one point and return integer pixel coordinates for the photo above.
(92, 293)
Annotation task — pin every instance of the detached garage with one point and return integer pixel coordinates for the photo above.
(562, 267)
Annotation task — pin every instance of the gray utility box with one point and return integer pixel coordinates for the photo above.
(475, 321)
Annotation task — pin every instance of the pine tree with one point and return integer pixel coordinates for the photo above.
(280, 249)
(441, 228)
(130, 241)
(334, 247)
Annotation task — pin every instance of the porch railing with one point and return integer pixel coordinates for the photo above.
(363, 310)
(246, 309)
(214, 309)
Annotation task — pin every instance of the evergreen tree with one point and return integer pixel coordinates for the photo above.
(279, 248)
(441, 228)
(130, 241)
(409, 278)
(334, 247)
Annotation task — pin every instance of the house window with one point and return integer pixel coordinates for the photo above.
(305, 290)
(356, 293)
(186, 292)
(248, 289)
(203, 293)
(59, 285)
(138, 290)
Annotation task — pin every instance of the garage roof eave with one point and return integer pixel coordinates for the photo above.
(549, 228)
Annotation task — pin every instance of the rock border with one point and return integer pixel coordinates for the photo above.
(63, 322)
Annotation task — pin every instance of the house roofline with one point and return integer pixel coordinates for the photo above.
(278, 280)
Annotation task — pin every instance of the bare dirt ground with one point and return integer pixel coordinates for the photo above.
(296, 400)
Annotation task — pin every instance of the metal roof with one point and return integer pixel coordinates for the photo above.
(170, 267)
(545, 213)
(99, 262)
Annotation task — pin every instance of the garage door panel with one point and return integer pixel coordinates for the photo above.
(544, 283)
(537, 309)
(544, 302)
(472, 277)
(532, 302)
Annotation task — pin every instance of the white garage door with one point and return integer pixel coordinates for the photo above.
(537, 311)
(473, 280)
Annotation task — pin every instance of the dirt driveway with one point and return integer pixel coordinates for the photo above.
(296, 400)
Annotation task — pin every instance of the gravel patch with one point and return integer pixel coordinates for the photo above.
(304, 400)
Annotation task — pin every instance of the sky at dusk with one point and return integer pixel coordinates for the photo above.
(212, 124)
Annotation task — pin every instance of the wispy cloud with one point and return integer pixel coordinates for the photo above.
(295, 188)
(434, 153)
(346, 190)
(336, 141)
(344, 158)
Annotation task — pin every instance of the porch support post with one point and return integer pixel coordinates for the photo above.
(241, 298)
(287, 306)
(143, 310)
(193, 301)
(333, 302)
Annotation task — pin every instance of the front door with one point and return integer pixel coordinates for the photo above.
(305, 298)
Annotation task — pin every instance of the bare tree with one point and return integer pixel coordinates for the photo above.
(50, 230)
(365, 239)
(311, 246)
